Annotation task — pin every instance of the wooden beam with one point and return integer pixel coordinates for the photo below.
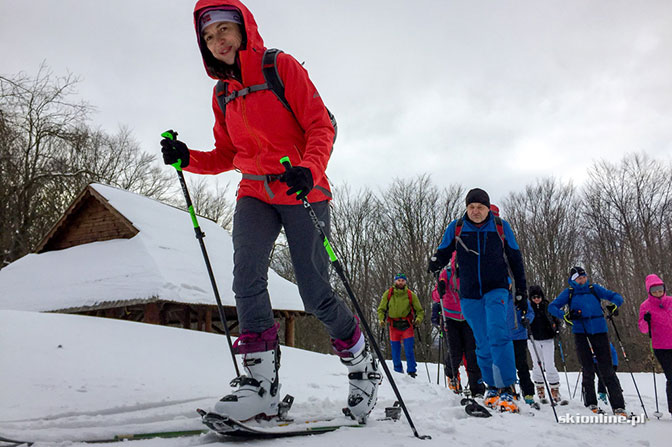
(208, 319)
(152, 313)
(186, 317)
(289, 330)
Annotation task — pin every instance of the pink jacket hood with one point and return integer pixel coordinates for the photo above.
(661, 316)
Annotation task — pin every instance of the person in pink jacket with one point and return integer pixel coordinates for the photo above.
(655, 319)
(460, 338)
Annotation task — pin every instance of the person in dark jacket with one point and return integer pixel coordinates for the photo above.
(544, 328)
(586, 316)
(485, 257)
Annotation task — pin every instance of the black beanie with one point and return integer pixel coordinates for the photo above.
(536, 290)
(479, 196)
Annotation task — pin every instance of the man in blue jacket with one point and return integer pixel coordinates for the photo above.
(586, 316)
(486, 252)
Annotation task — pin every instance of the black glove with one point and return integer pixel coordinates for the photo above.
(441, 288)
(521, 301)
(435, 264)
(299, 180)
(647, 317)
(612, 309)
(174, 150)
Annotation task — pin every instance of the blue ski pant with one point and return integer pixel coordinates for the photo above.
(494, 348)
(256, 226)
(409, 349)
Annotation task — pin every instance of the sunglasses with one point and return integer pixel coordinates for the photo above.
(655, 289)
(535, 297)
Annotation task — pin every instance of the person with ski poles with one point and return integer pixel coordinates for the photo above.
(486, 252)
(401, 309)
(460, 338)
(655, 319)
(517, 324)
(544, 329)
(253, 131)
(589, 326)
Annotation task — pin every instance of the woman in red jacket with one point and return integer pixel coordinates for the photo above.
(252, 134)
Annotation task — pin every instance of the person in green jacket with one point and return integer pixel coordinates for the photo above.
(402, 309)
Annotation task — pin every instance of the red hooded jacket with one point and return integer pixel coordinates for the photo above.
(258, 130)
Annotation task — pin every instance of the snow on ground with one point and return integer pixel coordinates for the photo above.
(66, 377)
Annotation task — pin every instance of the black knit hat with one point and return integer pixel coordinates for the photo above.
(575, 272)
(479, 196)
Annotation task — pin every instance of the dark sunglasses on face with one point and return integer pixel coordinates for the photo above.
(535, 297)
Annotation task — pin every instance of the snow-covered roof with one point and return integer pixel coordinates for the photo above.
(163, 261)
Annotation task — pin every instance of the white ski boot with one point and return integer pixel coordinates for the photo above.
(258, 391)
(363, 375)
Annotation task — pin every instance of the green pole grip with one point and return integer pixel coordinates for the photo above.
(172, 135)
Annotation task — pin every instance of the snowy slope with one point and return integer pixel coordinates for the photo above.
(75, 377)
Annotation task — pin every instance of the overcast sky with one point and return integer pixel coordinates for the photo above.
(483, 93)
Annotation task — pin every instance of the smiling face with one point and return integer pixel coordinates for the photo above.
(223, 39)
(477, 212)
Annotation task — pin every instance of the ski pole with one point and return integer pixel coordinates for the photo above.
(576, 385)
(526, 323)
(438, 358)
(657, 414)
(417, 331)
(346, 284)
(627, 362)
(172, 135)
(564, 364)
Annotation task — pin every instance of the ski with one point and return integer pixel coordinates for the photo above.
(115, 438)
(280, 429)
(473, 408)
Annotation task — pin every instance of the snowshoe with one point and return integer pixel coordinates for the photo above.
(506, 402)
(491, 398)
(473, 408)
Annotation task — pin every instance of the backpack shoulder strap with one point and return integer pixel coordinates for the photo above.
(269, 68)
(500, 228)
(458, 227)
(389, 294)
(220, 92)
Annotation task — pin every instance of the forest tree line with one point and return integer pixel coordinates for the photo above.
(615, 225)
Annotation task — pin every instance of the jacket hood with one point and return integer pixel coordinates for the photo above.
(252, 41)
(578, 286)
(653, 280)
(536, 290)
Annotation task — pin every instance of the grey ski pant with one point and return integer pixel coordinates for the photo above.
(256, 226)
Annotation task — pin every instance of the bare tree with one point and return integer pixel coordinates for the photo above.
(48, 153)
(39, 122)
(626, 218)
(546, 219)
